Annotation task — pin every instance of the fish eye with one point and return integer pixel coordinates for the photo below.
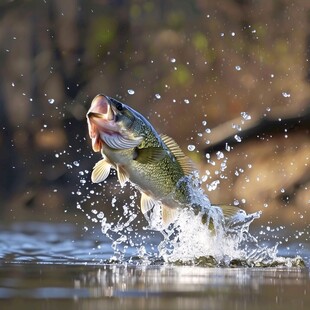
(118, 105)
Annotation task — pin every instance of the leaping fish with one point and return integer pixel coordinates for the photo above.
(152, 162)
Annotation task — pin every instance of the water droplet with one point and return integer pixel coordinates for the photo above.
(76, 163)
(245, 116)
(191, 147)
(186, 101)
(158, 96)
(238, 68)
(233, 34)
(51, 101)
(219, 155)
(13, 84)
(237, 138)
(286, 95)
(173, 60)
(130, 91)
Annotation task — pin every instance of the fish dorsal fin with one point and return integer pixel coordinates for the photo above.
(186, 164)
(169, 215)
(229, 211)
(122, 175)
(149, 155)
(100, 171)
(147, 203)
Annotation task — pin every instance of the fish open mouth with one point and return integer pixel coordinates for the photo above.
(101, 108)
(101, 121)
(105, 127)
(94, 114)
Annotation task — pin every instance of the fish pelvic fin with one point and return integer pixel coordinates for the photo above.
(149, 155)
(147, 203)
(186, 164)
(100, 171)
(168, 214)
(122, 175)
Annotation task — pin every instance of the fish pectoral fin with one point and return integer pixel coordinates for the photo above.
(149, 155)
(147, 203)
(119, 142)
(122, 175)
(169, 215)
(100, 171)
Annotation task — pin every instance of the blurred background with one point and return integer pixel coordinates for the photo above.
(228, 80)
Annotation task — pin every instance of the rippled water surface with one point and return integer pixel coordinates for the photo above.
(47, 265)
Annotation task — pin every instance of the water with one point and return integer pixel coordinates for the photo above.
(49, 265)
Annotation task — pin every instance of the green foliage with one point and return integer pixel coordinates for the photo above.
(102, 32)
(181, 76)
(200, 42)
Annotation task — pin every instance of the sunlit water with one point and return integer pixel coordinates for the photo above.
(50, 264)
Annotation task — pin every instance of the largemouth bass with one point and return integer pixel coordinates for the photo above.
(152, 162)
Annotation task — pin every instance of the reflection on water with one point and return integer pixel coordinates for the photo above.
(52, 265)
(152, 287)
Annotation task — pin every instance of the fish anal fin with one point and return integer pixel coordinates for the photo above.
(186, 164)
(100, 171)
(122, 175)
(149, 155)
(147, 203)
(169, 215)
(229, 211)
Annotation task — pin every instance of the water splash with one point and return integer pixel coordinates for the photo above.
(193, 236)
(187, 240)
